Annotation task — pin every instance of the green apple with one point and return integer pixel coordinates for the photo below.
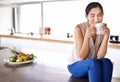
(12, 59)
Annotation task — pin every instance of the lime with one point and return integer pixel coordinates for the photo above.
(31, 56)
(12, 59)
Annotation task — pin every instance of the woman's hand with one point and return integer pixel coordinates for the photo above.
(106, 30)
(103, 47)
(91, 31)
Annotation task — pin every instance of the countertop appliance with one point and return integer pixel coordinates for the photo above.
(114, 39)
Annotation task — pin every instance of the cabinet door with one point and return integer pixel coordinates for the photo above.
(114, 55)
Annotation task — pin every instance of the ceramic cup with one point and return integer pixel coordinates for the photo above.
(99, 28)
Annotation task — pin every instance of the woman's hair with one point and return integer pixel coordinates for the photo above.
(93, 5)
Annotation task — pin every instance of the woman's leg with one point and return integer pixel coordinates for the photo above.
(107, 68)
(90, 67)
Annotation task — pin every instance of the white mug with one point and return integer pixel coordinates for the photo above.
(99, 28)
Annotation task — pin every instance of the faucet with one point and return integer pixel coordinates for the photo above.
(12, 31)
(68, 35)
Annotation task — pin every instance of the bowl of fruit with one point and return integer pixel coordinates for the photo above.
(20, 58)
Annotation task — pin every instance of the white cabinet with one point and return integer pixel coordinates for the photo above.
(47, 51)
(62, 48)
(114, 55)
(37, 44)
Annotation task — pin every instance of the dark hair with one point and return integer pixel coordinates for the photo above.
(93, 5)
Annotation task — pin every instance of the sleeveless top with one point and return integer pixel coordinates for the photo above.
(93, 46)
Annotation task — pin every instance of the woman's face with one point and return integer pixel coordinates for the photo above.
(95, 16)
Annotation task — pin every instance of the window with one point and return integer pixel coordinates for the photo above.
(29, 18)
(61, 16)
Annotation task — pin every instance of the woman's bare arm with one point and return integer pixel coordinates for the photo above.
(81, 43)
(103, 48)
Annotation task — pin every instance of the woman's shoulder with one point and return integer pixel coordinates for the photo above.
(81, 25)
(77, 27)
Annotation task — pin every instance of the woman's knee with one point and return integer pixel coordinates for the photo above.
(94, 63)
(107, 61)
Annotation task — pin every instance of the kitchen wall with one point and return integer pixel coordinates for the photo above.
(111, 13)
(5, 19)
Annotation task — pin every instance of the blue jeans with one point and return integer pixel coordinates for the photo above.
(97, 70)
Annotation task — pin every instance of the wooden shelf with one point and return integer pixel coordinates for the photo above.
(114, 45)
(38, 37)
(52, 39)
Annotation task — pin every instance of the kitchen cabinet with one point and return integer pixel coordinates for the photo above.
(37, 44)
(114, 55)
(62, 48)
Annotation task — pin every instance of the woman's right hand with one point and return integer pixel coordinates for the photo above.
(91, 31)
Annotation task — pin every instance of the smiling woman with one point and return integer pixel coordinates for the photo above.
(88, 60)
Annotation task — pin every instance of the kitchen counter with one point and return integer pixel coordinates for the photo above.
(52, 39)
(47, 67)
(41, 38)
(41, 70)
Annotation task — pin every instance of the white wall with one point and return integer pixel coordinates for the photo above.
(111, 14)
(5, 19)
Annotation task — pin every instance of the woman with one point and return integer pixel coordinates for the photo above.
(90, 48)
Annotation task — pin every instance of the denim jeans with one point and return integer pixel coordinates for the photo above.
(97, 70)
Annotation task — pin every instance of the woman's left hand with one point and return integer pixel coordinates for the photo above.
(106, 30)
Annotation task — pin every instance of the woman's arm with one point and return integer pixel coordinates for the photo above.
(103, 48)
(82, 43)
